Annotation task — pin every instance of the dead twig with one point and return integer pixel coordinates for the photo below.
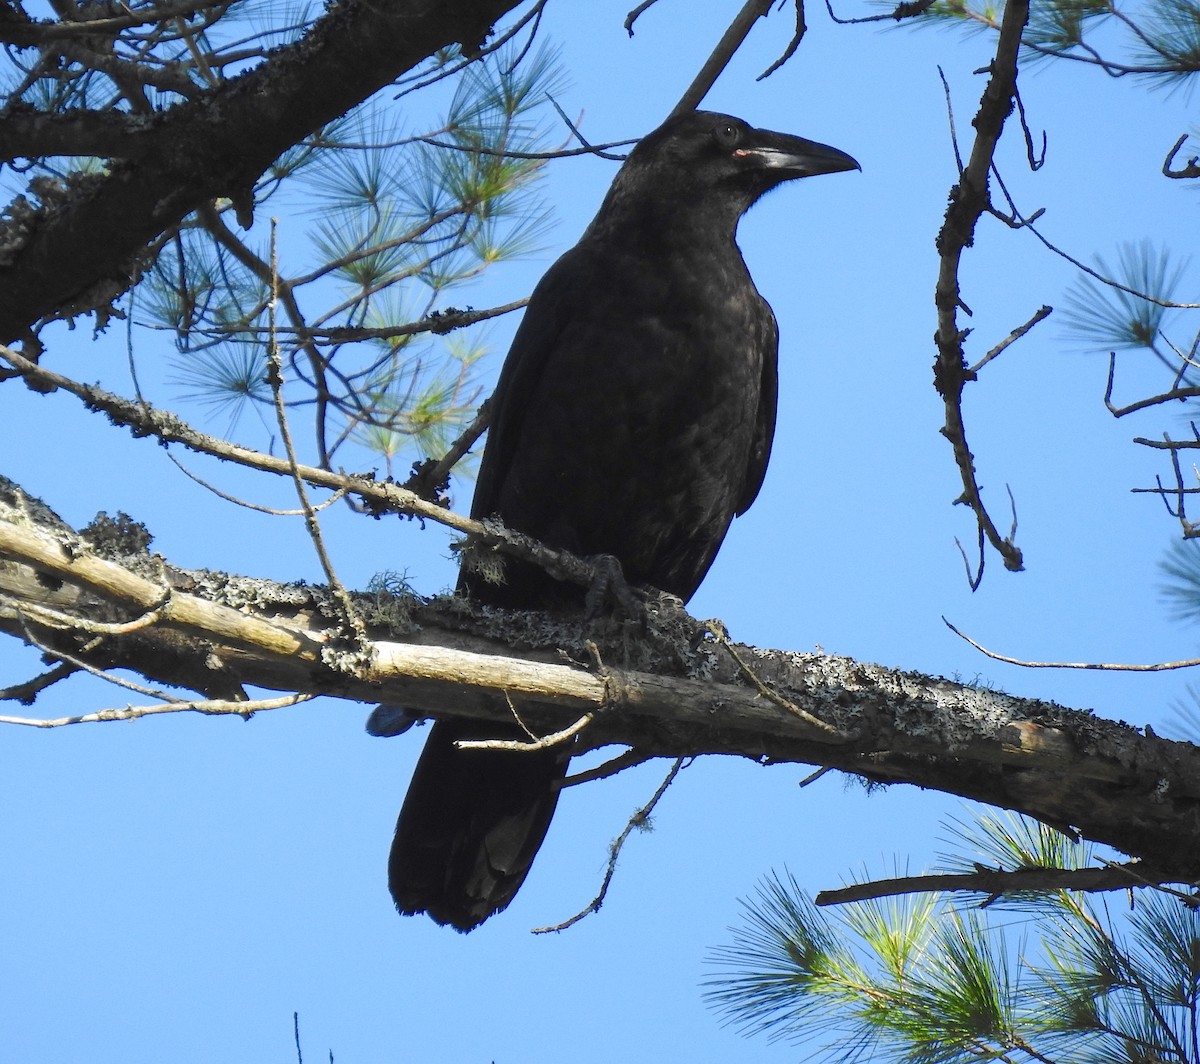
(1160, 666)
(354, 623)
(209, 707)
(1192, 169)
(996, 882)
(1011, 338)
(639, 820)
(382, 497)
(626, 760)
(544, 742)
(968, 202)
(717, 631)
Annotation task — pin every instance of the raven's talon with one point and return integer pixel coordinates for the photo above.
(610, 591)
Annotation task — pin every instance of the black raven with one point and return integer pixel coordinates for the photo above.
(633, 418)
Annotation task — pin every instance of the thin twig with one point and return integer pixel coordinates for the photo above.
(903, 10)
(792, 45)
(1192, 169)
(427, 476)
(275, 378)
(958, 163)
(1160, 666)
(574, 128)
(1142, 404)
(636, 13)
(544, 742)
(69, 622)
(640, 819)
(812, 777)
(717, 631)
(22, 612)
(209, 707)
(1027, 223)
(1039, 162)
(626, 760)
(1135, 871)
(603, 150)
(1011, 338)
(245, 503)
(976, 578)
(1168, 444)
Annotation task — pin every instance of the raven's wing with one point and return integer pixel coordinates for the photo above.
(546, 316)
(767, 340)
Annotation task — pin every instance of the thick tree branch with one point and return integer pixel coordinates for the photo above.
(1137, 792)
(30, 134)
(83, 251)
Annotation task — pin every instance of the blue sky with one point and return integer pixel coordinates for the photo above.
(176, 888)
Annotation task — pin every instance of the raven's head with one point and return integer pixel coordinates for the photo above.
(715, 164)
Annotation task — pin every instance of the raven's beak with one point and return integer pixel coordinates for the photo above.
(795, 155)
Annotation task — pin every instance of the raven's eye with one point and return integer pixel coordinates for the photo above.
(727, 135)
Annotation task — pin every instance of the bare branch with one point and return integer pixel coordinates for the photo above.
(382, 497)
(995, 882)
(429, 476)
(209, 707)
(968, 201)
(792, 45)
(1175, 393)
(578, 135)
(544, 742)
(636, 13)
(1162, 666)
(602, 150)
(903, 10)
(627, 760)
(729, 43)
(1056, 764)
(341, 493)
(640, 820)
(48, 618)
(350, 617)
(1040, 315)
(950, 119)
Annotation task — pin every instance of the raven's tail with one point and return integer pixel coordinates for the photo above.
(471, 825)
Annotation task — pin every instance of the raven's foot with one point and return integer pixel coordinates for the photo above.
(610, 591)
